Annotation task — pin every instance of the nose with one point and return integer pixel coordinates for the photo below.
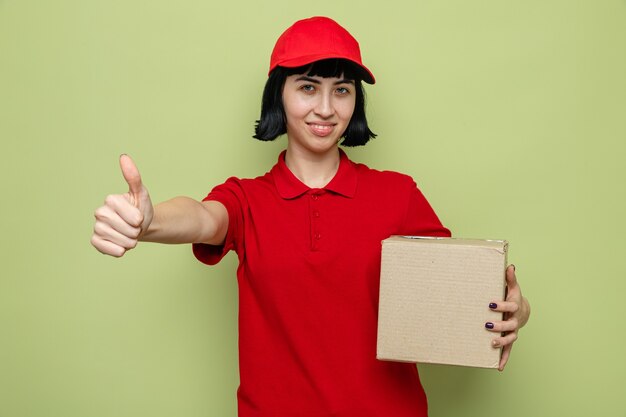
(324, 106)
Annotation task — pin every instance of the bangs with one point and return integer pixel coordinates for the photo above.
(328, 68)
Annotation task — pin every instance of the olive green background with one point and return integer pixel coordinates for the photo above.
(510, 115)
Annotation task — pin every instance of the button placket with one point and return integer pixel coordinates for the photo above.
(314, 216)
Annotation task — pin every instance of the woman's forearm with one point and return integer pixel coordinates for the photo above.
(185, 220)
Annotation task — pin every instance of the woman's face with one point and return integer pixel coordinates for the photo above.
(318, 110)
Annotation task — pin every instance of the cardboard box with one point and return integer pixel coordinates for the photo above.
(434, 300)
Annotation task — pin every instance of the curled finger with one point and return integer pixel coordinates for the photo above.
(107, 215)
(106, 247)
(122, 205)
(108, 233)
(502, 326)
(505, 340)
(504, 306)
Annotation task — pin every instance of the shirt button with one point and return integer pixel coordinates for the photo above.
(316, 213)
(314, 196)
(318, 236)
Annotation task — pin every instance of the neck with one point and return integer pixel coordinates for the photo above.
(314, 170)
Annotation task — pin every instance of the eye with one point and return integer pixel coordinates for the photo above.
(342, 91)
(307, 88)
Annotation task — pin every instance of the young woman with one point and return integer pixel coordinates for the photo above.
(307, 235)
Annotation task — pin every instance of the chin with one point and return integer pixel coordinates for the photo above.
(325, 144)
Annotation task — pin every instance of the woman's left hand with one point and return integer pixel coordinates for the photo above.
(516, 312)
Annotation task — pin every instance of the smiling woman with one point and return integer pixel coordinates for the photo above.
(308, 238)
(318, 111)
(272, 122)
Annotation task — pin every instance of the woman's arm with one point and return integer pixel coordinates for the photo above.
(126, 219)
(185, 220)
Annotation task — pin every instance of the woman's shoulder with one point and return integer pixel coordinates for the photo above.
(244, 183)
(383, 177)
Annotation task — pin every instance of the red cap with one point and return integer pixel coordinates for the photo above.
(314, 39)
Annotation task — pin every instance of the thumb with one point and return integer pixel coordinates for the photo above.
(132, 176)
(511, 279)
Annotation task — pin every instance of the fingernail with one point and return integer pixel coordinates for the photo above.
(489, 325)
(513, 267)
(495, 344)
(493, 305)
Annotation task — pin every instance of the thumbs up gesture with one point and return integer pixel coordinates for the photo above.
(123, 218)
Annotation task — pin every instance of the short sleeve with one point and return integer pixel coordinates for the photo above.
(231, 195)
(420, 218)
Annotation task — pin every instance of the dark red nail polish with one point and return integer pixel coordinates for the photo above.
(493, 305)
(489, 325)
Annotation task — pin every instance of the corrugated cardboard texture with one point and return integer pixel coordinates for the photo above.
(434, 298)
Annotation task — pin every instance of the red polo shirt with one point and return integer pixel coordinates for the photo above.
(309, 267)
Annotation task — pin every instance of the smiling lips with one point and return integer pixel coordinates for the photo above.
(321, 129)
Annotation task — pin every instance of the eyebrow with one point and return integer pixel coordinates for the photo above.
(313, 80)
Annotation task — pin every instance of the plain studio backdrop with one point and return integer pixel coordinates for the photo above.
(510, 115)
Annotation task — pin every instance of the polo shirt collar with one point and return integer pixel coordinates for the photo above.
(289, 186)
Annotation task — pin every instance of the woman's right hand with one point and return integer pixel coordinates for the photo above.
(123, 218)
